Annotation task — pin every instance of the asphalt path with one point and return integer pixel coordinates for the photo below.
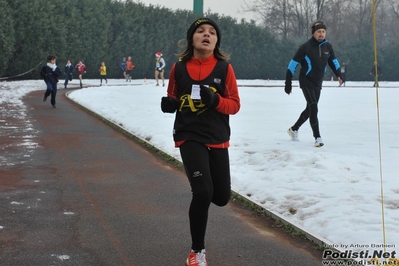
(83, 193)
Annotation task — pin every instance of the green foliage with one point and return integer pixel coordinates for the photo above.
(389, 58)
(7, 38)
(247, 57)
(358, 61)
(35, 33)
(107, 30)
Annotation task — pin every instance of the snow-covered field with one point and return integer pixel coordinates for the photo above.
(334, 192)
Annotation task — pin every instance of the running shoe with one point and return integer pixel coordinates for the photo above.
(196, 259)
(318, 142)
(293, 134)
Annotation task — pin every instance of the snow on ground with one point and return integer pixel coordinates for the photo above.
(333, 192)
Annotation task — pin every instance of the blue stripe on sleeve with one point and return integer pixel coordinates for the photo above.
(336, 64)
(309, 64)
(292, 66)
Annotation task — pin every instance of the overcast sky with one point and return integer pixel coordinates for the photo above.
(231, 8)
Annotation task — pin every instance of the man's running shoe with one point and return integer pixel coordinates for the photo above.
(196, 259)
(293, 134)
(318, 142)
(44, 98)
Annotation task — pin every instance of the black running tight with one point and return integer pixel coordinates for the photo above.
(208, 171)
(312, 97)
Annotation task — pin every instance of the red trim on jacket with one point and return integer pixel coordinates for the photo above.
(129, 65)
(199, 69)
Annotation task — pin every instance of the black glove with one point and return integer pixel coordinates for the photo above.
(169, 104)
(208, 97)
(288, 87)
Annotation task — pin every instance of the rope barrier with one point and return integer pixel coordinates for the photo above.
(378, 121)
(19, 75)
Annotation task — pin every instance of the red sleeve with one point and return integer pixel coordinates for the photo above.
(172, 87)
(229, 103)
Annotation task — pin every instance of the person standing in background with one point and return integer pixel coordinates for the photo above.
(344, 69)
(69, 69)
(81, 70)
(50, 73)
(123, 67)
(159, 68)
(313, 55)
(129, 68)
(103, 73)
(203, 92)
(376, 72)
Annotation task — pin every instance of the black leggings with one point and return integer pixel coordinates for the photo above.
(208, 171)
(312, 97)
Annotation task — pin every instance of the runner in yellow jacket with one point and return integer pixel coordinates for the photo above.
(103, 73)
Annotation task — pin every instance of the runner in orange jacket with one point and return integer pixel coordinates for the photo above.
(129, 68)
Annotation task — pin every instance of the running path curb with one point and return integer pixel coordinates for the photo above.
(317, 240)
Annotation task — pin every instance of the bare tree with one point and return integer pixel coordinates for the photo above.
(319, 8)
(287, 18)
(394, 6)
(305, 13)
(291, 19)
(336, 18)
(274, 15)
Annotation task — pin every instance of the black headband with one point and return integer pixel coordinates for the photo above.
(318, 26)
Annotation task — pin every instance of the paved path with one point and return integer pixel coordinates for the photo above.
(77, 192)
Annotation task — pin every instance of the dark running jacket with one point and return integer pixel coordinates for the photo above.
(49, 75)
(69, 69)
(194, 121)
(313, 57)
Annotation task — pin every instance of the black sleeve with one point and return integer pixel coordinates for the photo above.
(57, 72)
(333, 63)
(295, 61)
(43, 72)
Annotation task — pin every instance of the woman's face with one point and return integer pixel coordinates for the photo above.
(204, 40)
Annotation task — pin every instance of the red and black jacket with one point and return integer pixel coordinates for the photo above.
(194, 121)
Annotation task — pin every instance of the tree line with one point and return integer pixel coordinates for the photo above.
(349, 24)
(107, 30)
